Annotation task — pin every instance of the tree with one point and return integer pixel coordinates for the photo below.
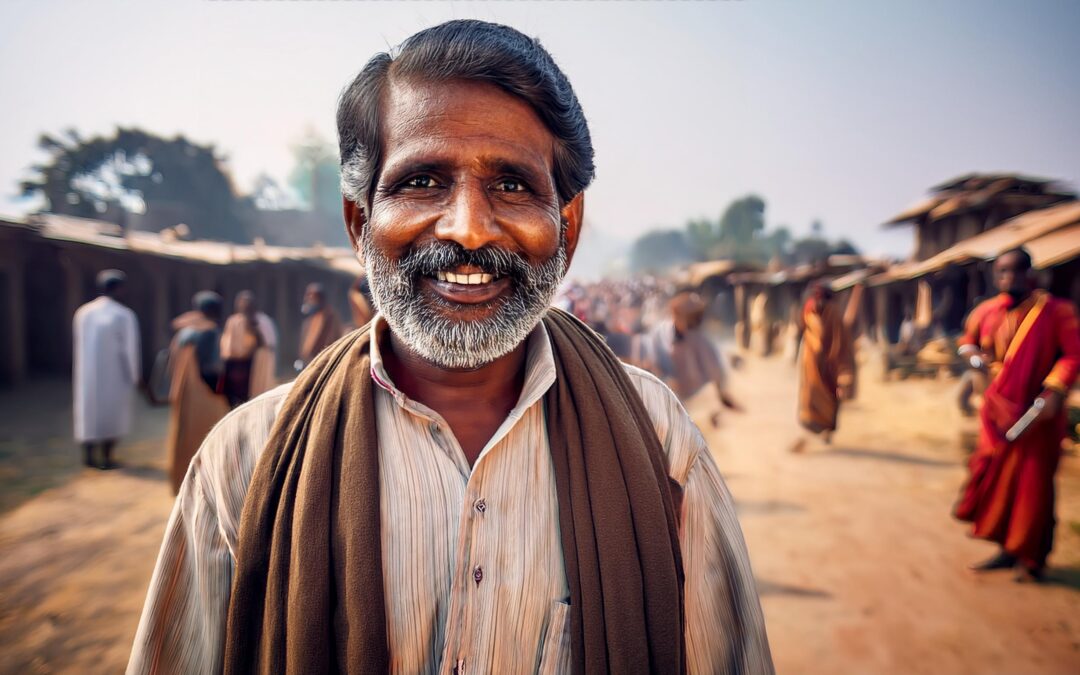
(316, 176)
(316, 180)
(740, 228)
(659, 250)
(816, 248)
(167, 181)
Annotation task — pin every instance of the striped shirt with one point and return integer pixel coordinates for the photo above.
(472, 559)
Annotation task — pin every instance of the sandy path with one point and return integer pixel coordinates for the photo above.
(860, 566)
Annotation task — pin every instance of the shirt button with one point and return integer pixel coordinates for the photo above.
(481, 505)
(478, 574)
(434, 428)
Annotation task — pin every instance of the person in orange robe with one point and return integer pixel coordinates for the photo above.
(1029, 341)
(196, 367)
(247, 348)
(824, 364)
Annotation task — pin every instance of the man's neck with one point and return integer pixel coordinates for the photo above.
(473, 402)
(1018, 299)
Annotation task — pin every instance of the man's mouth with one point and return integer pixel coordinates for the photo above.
(465, 279)
(467, 284)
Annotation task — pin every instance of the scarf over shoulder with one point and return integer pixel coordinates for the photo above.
(307, 593)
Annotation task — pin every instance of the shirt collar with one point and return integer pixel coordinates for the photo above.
(539, 369)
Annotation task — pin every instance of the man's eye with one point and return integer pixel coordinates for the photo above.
(510, 185)
(420, 182)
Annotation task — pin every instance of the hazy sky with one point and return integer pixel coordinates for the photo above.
(844, 111)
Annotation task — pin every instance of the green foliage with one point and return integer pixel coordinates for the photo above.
(661, 250)
(133, 171)
(315, 176)
(316, 179)
(740, 235)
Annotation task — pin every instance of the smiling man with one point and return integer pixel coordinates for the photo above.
(472, 483)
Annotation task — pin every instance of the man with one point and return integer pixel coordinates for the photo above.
(321, 324)
(106, 371)
(196, 369)
(680, 353)
(824, 365)
(248, 344)
(1029, 342)
(421, 500)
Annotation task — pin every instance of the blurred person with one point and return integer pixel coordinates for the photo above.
(460, 486)
(106, 369)
(1029, 343)
(196, 368)
(679, 352)
(321, 327)
(824, 365)
(849, 387)
(361, 304)
(248, 346)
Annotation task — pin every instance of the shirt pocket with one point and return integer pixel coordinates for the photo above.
(555, 652)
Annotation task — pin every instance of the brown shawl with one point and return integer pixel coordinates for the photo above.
(308, 590)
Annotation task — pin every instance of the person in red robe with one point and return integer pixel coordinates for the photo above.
(1029, 343)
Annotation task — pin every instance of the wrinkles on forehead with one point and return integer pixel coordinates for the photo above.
(440, 122)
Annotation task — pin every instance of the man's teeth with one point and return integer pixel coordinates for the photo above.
(465, 279)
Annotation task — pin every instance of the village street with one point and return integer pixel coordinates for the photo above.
(859, 565)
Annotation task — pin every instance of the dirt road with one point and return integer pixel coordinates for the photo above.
(860, 567)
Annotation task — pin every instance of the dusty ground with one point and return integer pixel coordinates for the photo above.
(860, 567)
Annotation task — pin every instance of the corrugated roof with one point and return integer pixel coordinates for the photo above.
(1011, 234)
(109, 235)
(1055, 248)
(697, 273)
(916, 211)
(848, 280)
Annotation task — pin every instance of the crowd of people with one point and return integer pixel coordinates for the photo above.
(1023, 345)
(213, 364)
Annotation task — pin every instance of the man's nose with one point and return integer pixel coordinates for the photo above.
(469, 219)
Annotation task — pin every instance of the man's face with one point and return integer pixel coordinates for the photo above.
(313, 298)
(245, 303)
(467, 241)
(1010, 275)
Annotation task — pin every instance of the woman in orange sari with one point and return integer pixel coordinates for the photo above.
(824, 364)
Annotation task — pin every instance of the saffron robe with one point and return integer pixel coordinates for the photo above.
(249, 358)
(823, 360)
(196, 407)
(1009, 498)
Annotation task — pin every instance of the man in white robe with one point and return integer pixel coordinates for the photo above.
(105, 369)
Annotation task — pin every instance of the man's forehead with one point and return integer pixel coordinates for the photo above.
(440, 114)
(1006, 261)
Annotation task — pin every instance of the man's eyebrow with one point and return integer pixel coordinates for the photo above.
(527, 171)
(402, 169)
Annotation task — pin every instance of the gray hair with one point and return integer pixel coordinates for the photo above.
(464, 50)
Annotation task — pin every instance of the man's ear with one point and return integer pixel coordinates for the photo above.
(355, 221)
(573, 214)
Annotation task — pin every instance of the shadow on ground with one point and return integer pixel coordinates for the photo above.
(766, 587)
(1066, 577)
(884, 456)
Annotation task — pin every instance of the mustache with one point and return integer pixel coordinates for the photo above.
(439, 256)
